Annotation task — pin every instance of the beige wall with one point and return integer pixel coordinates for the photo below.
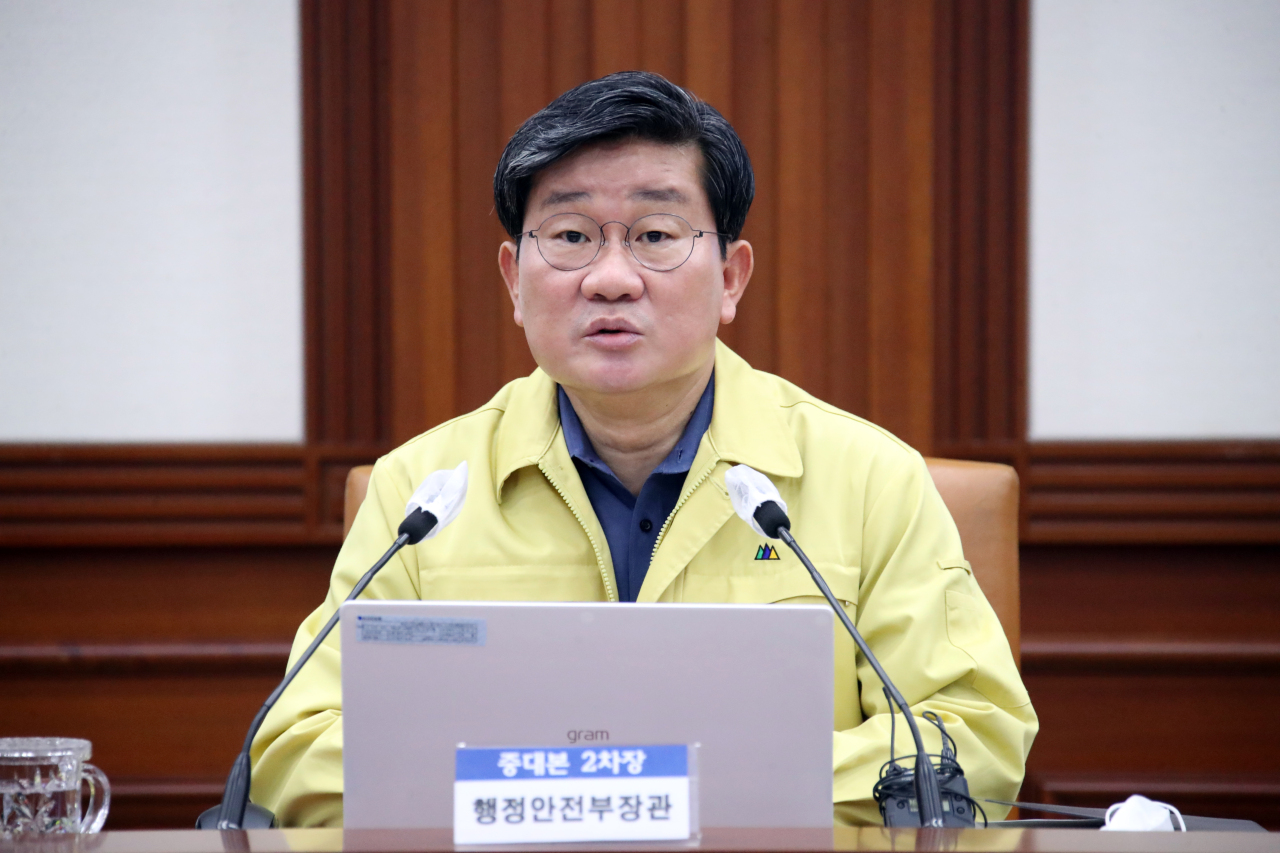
(150, 221)
(1155, 205)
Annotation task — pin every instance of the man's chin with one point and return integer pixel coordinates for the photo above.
(635, 371)
(611, 376)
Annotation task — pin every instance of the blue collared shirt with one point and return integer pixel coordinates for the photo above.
(631, 522)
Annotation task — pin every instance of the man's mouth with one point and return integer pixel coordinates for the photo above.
(611, 328)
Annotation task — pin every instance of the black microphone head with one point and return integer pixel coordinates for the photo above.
(417, 525)
(771, 519)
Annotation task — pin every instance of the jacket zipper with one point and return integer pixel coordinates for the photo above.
(608, 586)
(662, 533)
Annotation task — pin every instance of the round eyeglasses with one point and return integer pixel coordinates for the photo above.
(660, 241)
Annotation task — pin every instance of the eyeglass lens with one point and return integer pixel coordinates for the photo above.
(660, 241)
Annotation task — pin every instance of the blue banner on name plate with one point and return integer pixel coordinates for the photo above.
(572, 762)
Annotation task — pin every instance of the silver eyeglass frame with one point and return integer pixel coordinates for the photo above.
(626, 240)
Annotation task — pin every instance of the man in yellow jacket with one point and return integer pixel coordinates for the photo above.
(600, 477)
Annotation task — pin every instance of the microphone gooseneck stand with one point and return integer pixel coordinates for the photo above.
(774, 522)
(235, 810)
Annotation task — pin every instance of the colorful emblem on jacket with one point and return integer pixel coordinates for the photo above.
(767, 552)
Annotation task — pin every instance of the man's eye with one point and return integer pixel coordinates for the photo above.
(573, 237)
(652, 237)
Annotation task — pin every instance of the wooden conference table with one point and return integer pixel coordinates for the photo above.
(713, 841)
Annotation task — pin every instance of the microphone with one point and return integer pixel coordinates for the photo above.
(434, 504)
(756, 501)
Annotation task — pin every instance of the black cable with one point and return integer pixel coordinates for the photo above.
(928, 794)
(896, 781)
(893, 728)
(235, 795)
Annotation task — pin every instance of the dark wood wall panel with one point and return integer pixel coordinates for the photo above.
(902, 240)
(148, 595)
(889, 140)
(159, 655)
(1181, 735)
(1103, 711)
(753, 109)
(1188, 594)
(1152, 668)
(980, 160)
(164, 736)
(802, 80)
(1152, 492)
(848, 247)
(122, 495)
(420, 262)
(205, 716)
(802, 133)
(345, 210)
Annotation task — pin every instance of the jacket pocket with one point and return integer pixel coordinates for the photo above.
(973, 628)
(843, 581)
(775, 587)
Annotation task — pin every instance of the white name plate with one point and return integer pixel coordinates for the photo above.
(535, 795)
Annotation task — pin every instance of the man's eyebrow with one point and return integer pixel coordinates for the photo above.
(565, 197)
(670, 194)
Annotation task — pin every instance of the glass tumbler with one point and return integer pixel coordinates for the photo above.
(41, 779)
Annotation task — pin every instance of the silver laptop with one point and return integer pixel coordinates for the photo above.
(752, 684)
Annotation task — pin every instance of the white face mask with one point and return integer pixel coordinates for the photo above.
(1138, 814)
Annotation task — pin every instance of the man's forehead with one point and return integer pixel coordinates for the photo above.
(631, 170)
(672, 195)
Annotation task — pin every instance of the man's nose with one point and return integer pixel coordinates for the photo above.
(615, 274)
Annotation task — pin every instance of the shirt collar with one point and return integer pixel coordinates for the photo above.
(746, 423)
(678, 461)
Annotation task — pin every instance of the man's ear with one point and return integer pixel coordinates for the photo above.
(739, 261)
(509, 265)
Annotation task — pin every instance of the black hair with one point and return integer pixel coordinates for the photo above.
(628, 105)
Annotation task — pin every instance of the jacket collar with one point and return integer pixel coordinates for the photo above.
(746, 424)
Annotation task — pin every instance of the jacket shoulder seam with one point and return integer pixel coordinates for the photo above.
(488, 407)
(839, 413)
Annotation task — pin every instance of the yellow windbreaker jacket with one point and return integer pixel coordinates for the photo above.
(862, 504)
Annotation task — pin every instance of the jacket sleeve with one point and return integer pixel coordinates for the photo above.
(929, 624)
(297, 754)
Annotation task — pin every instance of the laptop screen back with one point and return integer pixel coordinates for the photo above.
(751, 684)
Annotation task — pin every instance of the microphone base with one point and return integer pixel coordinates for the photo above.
(957, 809)
(255, 817)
